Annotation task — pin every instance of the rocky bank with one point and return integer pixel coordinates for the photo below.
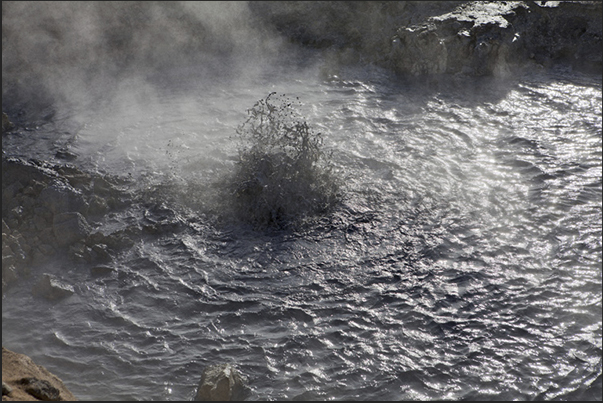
(496, 38)
(23, 379)
(473, 38)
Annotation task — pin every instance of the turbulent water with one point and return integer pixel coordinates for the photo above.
(463, 260)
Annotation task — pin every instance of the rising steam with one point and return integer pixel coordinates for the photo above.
(78, 52)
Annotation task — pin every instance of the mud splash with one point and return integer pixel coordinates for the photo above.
(282, 175)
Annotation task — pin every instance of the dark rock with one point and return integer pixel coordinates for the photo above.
(492, 38)
(473, 38)
(40, 389)
(420, 50)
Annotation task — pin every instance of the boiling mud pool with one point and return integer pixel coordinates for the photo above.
(464, 260)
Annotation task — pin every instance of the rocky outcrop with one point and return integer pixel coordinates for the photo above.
(472, 38)
(493, 38)
(24, 380)
(221, 383)
(360, 25)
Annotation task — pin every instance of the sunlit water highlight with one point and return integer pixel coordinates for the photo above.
(463, 262)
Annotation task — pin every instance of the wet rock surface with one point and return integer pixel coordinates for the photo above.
(428, 38)
(492, 38)
(24, 380)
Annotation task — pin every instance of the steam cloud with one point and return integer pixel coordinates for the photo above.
(74, 51)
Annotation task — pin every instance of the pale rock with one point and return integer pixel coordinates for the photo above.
(24, 380)
(221, 383)
(6, 389)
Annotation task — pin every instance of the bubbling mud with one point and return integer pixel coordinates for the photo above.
(282, 175)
